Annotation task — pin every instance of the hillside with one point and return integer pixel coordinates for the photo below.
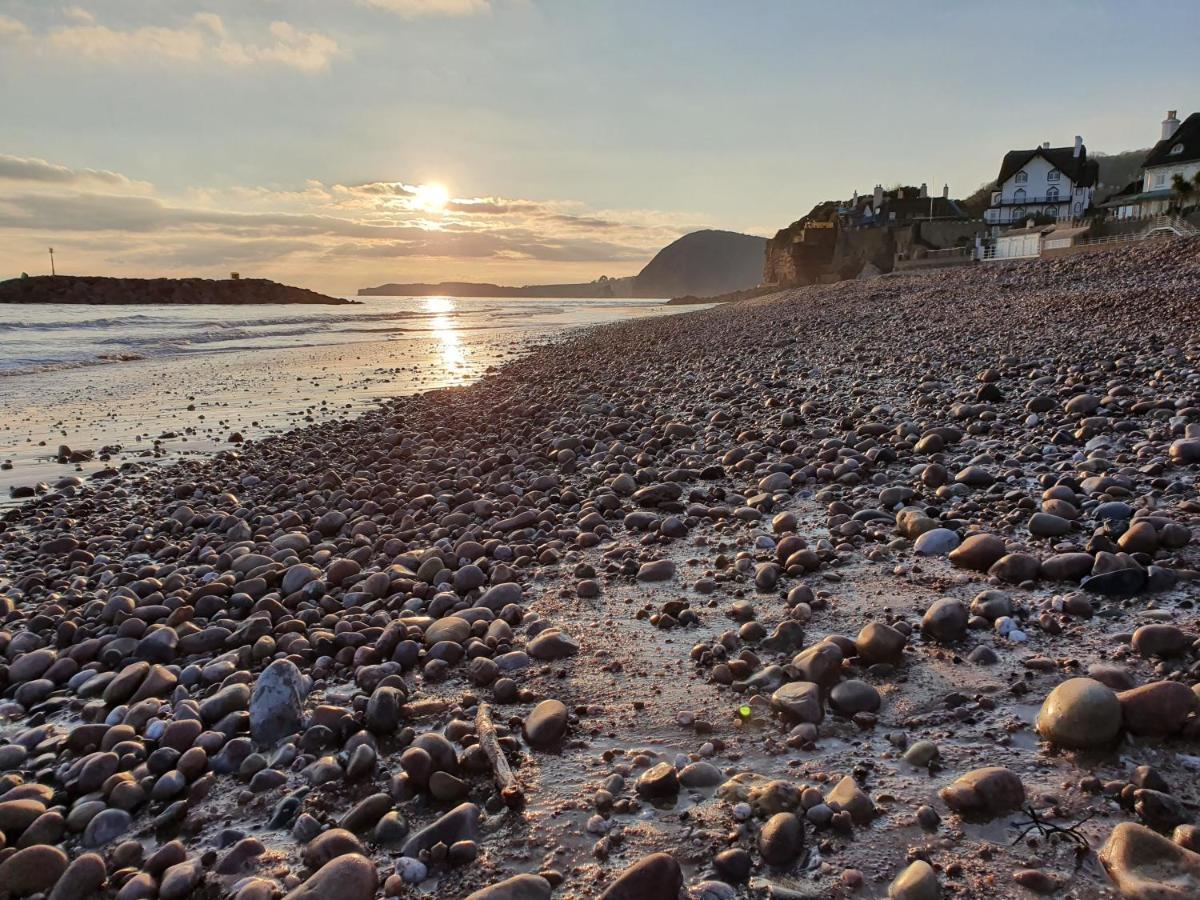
(700, 264)
(95, 290)
(703, 264)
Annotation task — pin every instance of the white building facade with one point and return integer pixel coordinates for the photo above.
(1055, 182)
(1176, 153)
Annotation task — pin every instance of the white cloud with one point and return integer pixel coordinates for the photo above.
(204, 38)
(78, 14)
(12, 28)
(415, 9)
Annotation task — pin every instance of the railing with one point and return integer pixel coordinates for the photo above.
(1033, 201)
(998, 216)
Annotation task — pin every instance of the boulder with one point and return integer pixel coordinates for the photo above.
(349, 877)
(986, 792)
(1080, 713)
(1144, 865)
(978, 552)
(655, 876)
(519, 887)
(1158, 709)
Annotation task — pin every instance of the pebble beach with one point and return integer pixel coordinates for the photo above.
(885, 588)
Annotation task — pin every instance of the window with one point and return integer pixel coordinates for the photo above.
(1018, 213)
(1160, 179)
(1021, 177)
(1052, 193)
(1177, 149)
(1019, 195)
(1053, 175)
(1052, 212)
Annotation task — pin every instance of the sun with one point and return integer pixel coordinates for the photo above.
(430, 197)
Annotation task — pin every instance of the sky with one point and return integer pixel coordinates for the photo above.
(343, 143)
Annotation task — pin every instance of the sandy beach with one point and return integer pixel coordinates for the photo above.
(885, 581)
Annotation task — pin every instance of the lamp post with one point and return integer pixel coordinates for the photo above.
(52, 272)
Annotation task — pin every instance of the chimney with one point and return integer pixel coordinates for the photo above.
(1045, 145)
(924, 190)
(1078, 146)
(878, 196)
(945, 192)
(1170, 124)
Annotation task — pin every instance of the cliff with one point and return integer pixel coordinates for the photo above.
(101, 291)
(700, 264)
(820, 249)
(703, 264)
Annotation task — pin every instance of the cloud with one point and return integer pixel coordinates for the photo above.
(12, 28)
(341, 235)
(78, 14)
(203, 38)
(416, 9)
(17, 168)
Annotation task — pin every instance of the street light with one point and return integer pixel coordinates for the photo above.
(52, 272)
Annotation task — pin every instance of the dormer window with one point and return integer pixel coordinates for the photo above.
(1021, 177)
(1053, 175)
(1177, 149)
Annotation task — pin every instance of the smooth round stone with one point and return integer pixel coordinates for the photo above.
(660, 780)
(781, 839)
(700, 774)
(546, 724)
(1045, 524)
(1161, 640)
(658, 570)
(854, 696)
(799, 701)
(989, 791)
(917, 882)
(105, 827)
(349, 877)
(519, 887)
(451, 628)
(880, 643)
(1158, 709)
(1081, 713)
(978, 552)
(945, 620)
(32, 870)
(1144, 865)
(552, 644)
(921, 753)
(936, 542)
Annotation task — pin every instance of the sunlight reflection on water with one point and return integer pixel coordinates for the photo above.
(454, 356)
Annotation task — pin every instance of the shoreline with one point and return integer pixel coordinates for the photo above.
(189, 399)
(617, 541)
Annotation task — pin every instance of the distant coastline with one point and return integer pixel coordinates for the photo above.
(96, 290)
(607, 288)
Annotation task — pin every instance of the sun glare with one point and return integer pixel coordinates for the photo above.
(431, 197)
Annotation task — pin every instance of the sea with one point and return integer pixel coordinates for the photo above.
(46, 337)
(139, 384)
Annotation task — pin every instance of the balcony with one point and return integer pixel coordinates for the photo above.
(1061, 197)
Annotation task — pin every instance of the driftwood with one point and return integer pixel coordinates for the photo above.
(485, 730)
